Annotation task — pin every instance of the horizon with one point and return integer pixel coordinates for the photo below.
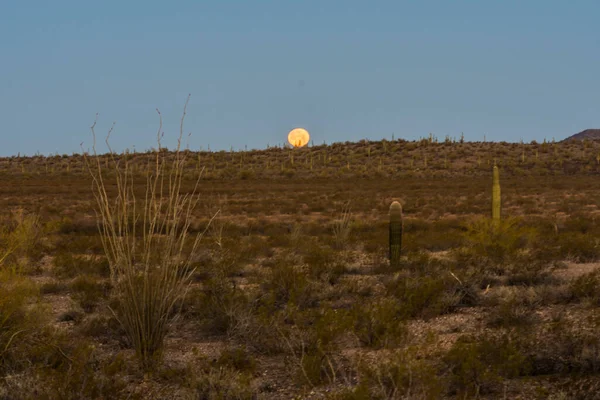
(345, 71)
(284, 146)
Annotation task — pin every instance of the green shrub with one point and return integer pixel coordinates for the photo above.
(103, 329)
(529, 271)
(219, 305)
(323, 264)
(564, 348)
(477, 365)
(238, 359)
(378, 324)
(224, 384)
(586, 287)
(20, 241)
(287, 283)
(82, 374)
(399, 375)
(579, 247)
(17, 318)
(311, 343)
(499, 241)
(88, 291)
(67, 265)
(511, 312)
(429, 296)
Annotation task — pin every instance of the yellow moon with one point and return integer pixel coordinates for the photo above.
(298, 137)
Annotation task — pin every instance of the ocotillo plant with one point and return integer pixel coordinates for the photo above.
(147, 242)
(395, 234)
(496, 195)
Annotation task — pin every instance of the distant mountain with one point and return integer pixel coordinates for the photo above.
(588, 134)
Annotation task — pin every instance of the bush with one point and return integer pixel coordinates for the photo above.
(341, 227)
(478, 364)
(530, 271)
(287, 283)
(311, 342)
(103, 329)
(67, 265)
(17, 318)
(323, 265)
(586, 287)
(147, 243)
(238, 359)
(88, 292)
(511, 312)
(498, 242)
(224, 384)
(83, 375)
(20, 241)
(579, 247)
(379, 324)
(399, 375)
(218, 304)
(429, 296)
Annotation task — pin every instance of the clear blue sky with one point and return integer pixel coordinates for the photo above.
(343, 69)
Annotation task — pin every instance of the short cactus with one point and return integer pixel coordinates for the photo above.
(395, 234)
(496, 196)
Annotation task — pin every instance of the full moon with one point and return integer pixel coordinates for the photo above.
(298, 137)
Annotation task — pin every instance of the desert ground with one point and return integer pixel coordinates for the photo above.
(292, 295)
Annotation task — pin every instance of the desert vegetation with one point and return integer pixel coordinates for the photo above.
(284, 273)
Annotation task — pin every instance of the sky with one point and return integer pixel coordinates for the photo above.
(345, 70)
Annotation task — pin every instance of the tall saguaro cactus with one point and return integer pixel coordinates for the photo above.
(496, 206)
(395, 234)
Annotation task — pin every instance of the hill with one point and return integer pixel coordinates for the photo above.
(588, 134)
(363, 159)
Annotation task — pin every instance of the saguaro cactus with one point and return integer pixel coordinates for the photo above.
(496, 196)
(395, 234)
